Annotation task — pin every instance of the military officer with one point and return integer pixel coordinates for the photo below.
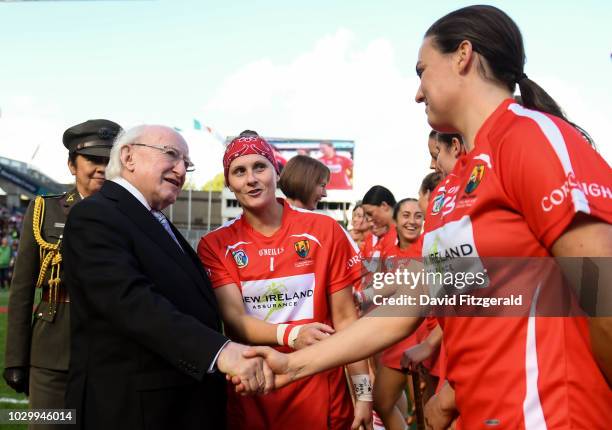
(38, 346)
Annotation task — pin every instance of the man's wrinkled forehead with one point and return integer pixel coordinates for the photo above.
(164, 136)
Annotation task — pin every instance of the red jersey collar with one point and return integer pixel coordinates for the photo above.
(287, 213)
(491, 121)
(483, 132)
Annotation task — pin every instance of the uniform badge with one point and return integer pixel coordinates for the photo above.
(475, 178)
(438, 203)
(302, 248)
(241, 258)
(70, 198)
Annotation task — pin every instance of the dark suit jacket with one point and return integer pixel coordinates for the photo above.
(144, 321)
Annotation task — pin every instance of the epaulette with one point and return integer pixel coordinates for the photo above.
(53, 196)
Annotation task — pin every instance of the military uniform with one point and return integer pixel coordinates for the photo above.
(43, 343)
(39, 343)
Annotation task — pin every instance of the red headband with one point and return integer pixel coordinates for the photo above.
(246, 145)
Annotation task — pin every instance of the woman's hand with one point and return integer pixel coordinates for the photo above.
(440, 410)
(415, 355)
(363, 416)
(311, 334)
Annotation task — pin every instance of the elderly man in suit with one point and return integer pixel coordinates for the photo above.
(147, 352)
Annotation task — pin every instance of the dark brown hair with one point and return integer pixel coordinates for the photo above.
(447, 138)
(247, 133)
(96, 159)
(497, 38)
(377, 195)
(399, 204)
(300, 177)
(430, 182)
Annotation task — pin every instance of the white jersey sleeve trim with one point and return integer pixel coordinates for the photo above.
(532, 406)
(235, 245)
(228, 223)
(346, 233)
(556, 140)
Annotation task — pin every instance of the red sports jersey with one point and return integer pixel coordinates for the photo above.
(394, 258)
(513, 195)
(284, 278)
(340, 172)
(373, 247)
(369, 244)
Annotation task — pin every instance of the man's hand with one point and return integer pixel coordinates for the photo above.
(312, 333)
(363, 416)
(276, 361)
(253, 374)
(440, 410)
(17, 379)
(415, 355)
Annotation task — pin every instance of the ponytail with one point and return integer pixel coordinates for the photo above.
(496, 38)
(534, 97)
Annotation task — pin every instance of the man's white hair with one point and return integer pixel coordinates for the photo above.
(132, 135)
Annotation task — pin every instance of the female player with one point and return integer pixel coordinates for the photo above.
(360, 227)
(303, 181)
(283, 276)
(430, 182)
(432, 143)
(449, 147)
(390, 380)
(515, 372)
(377, 203)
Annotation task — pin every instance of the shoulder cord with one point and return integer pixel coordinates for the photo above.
(49, 253)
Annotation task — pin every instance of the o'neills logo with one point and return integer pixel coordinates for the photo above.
(558, 195)
(271, 252)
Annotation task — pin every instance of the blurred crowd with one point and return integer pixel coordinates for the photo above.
(10, 226)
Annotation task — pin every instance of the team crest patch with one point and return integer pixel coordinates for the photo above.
(438, 203)
(241, 258)
(302, 248)
(475, 178)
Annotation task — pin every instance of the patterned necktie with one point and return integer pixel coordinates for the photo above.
(166, 225)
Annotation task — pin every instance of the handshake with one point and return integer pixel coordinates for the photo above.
(261, 369)
(255, 369)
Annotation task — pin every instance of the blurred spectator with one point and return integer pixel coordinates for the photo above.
(14, 249)
(359, 226)
(5, 261)
(341, 168)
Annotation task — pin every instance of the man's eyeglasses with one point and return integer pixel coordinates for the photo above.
(172, 154)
